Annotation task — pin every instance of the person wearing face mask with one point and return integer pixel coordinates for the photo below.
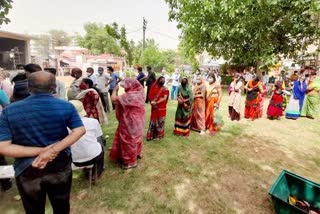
(213, 99)
(166, 77)
(130, 113)
(74, 89)
(183, 112)
(90, 75)
(195, 76)
(296, 100)
(198, 117)
(90, 98)
(235, 98)
(158, 97)
(254, 99)
(102, 84)
(175, 84)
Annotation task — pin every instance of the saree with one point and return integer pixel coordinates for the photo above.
(235, 100)
(254, 101)
(296, 100)
(213, 97)
(158, 111)
(198, 116)
(311, 105)
(92, 105)
(183, 112)
(130, 113)
(275, 107)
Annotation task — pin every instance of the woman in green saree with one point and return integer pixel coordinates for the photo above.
(311, 105)
(183, 113)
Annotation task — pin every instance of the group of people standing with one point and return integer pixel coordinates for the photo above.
(295, 96)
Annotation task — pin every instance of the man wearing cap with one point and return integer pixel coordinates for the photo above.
(88, 150)
(35, 132)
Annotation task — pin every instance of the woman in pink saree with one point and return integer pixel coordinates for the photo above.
(130, 113)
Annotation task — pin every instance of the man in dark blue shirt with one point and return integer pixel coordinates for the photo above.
(141, 76)
(35, 132)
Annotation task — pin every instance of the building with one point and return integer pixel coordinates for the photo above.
(14, 50)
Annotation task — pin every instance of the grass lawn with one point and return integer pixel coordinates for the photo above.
(227, 173)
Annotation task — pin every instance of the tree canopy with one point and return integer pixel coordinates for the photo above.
(54, 38)
(98, 40)
(246, 31)
(5, 6)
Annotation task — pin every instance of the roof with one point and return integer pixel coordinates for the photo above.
(10, 35)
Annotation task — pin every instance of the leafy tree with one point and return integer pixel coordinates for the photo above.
(59, 38)
(98, 40)
(5, 6)
(245, 31)
(46, 42)
(121, 37)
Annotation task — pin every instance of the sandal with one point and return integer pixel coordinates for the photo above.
(126, 167)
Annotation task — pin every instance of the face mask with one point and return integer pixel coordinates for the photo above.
(89, 74)
(210, 80)
(199, 81)
(183, 84)
(83, 86)
(161, 83)
(100, 72)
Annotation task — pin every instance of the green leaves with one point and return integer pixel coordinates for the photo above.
(5, 6)
(98, 40)
(246, 31)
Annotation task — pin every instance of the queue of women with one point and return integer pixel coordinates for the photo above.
(198, 103)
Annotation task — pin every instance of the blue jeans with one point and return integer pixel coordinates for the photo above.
(174, 92)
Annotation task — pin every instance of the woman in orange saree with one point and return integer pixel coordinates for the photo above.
(213, 99)
(158, 97)
(254, 99)
(198, 116)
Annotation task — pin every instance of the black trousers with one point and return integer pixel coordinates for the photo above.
(97, 162)
(147, 96)
(54, 180)
(110, 92)
(5, 183)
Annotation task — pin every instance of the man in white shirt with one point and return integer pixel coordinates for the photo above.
(248, 76)
(166, 77)
(87, 150)
(175, 84)
(90, 75)
(102, 84)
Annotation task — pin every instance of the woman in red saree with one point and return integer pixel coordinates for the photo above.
(198, 116)
(130, 113)
(254, 99)
(214, 94)
(158, 97)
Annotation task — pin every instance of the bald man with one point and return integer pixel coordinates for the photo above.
(35, 132)
(74, 89)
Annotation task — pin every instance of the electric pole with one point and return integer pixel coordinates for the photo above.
(144, 32)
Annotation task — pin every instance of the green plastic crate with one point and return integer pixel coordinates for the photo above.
(289, 183)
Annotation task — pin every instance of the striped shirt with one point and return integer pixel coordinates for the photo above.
(39, 120)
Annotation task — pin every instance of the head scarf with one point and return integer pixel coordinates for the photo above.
(132, 103)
